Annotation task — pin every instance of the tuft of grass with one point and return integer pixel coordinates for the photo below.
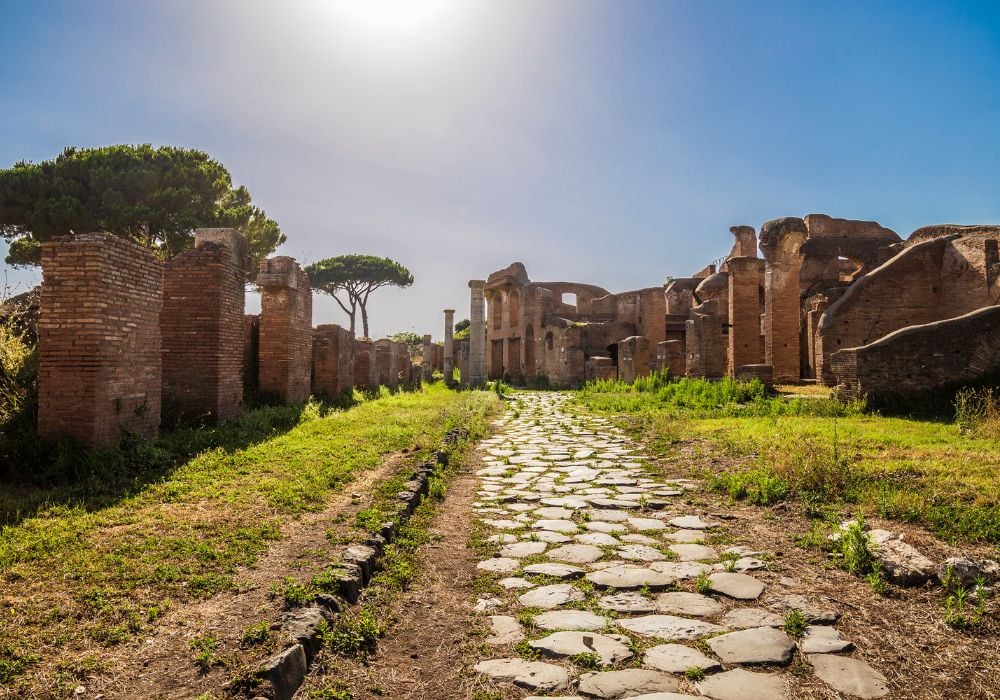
(588, 659)
(694, 673)
(702, 583)
(292, 593)
(854, 549)
(354, 635)
(205, 647)
(795, 623)
(255, 634)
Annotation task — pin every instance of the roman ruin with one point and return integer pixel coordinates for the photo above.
(823, 299)
(285, 330)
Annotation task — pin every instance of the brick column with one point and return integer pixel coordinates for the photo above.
(333, 359)
(633, 358)
(477, 335)
(202, 326)
(100, 364)
(285, 330)
(365, 366)
(780, 241)
(744, 311)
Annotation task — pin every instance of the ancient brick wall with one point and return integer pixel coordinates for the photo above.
(780, 241)
(251, 353)
(384, 362)
(670, 357)
(706, 348)
(936, 355)
(597, 367)
(99, 363)
(285, 330)
(333, 359)
(202, 327)
(633, 358)
(402, 365)
(929, 281)
(745, 277)
(762, 372)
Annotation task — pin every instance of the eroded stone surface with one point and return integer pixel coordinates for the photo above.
(693, 604)
(626, 683)
(548, 597)
(669, 627)
(823, 639)
(570, 620)
(850, 676)
(740, 684)
(756, 645)
(560, 644)
(678, 658)
(505, 630)
(625, 577)
(739, 586)
(533, 675)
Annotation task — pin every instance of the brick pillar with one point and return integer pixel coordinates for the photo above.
(783, 303)
(744, 311)
(202, 326)
(365, 366)
(285, 330)
(401, 364)
(100, 366)
(477, 335)
(449, 347)
(633, 358)
(427, 362)
(462, 350)
(333, 359)
(672, 354)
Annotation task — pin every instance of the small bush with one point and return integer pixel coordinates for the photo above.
(205, 648)
(293, 593)
(255, 634)
(795, 623)
(354, 636)
(854, 549)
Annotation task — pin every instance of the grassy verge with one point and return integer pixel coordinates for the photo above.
(95, 566)
(824, 454)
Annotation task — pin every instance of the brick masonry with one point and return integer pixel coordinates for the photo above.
(285, 330)
(633, 358)
(202, 327)
(333, 359)
(99, 362)
(365, 364)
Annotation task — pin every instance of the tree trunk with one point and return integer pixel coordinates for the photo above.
(364, 319)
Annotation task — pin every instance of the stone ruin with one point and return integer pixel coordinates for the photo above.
(126, 339)
(845, 303)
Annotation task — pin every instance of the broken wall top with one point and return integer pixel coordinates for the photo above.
(927, 233)
(280, 271)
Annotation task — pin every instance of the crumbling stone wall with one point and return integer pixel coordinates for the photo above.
(911, 361)
(670, 357)
(705, 348)
(285, 330)
(333, 359)
(385, 361)
(99, 361)
(745, 277)
(202, 326)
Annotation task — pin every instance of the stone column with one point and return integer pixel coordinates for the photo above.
(427, 363)
(449, 347)
(744, 311)
(477, 334)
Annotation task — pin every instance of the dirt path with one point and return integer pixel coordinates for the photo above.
(161, 665)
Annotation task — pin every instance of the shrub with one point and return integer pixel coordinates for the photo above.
(977, 411)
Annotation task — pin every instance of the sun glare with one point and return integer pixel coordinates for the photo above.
(390, 21)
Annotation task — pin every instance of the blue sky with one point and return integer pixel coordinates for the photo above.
(612, 142)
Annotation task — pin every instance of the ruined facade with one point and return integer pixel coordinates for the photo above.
(551, 329)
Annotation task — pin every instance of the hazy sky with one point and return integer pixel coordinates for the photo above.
(612, 142)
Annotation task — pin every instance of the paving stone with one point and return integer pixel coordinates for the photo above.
(515, 582)
(550, 537)
(631, 603)
(570, 620)
(598, 539)
(903, 564)
(625, 683)
(613, 503)
(553, 513)
(739, 586)
(533, 675)
(694, 552)
(611, 516)
(635, 538)
(669, 627)
(694, 604)
(552, 596)
(686, 536)
(664, 696)
(487, 603)
(742, 551)
(576, 553)
(565, 502)
(639, 552)
(502, 539)
(850, 676)
(563, 526)
(625, 577)
(756, 645)
(744, 564)
(607, 528)
(677, 658)
(499, 565)
(743, 618)
(823, 639)
(562, 644)
(505, 630)
(523, 549)
(647, 524)
(740, 684)
(813, 612)
(561, 571)
(684, 570)
(690, 522)
(504, 524)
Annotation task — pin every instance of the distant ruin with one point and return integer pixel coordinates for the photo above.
(846, 303)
